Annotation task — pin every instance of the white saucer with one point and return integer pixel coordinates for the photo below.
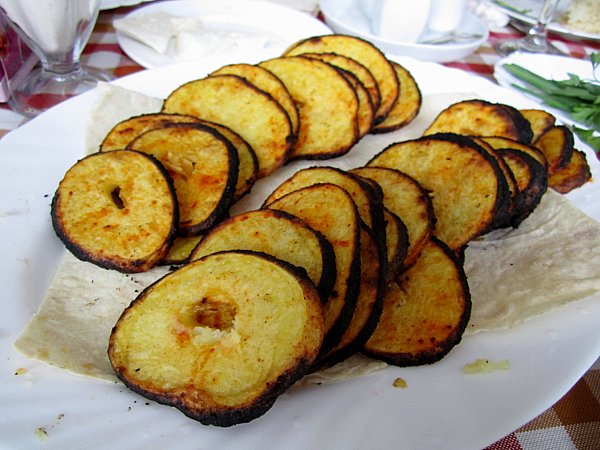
(283, 25)
(345, 16)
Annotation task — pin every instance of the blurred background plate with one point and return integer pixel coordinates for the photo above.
(283, 25)
(345, 16)
(523, 14)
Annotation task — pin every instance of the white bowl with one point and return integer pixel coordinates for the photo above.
(346, 17)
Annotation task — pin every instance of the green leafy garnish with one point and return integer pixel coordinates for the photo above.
(512, 8)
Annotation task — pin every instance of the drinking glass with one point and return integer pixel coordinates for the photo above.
(536, 39)
(56, 31)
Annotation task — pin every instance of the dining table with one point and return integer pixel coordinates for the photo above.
(573, 422)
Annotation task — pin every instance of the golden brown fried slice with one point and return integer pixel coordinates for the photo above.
(330, 210)
(501, 142)
(204, 168)
(366, 111)
(425, 313)
(363, 74)
(397, 244)
(368, 204)
(117, 210)
(180, 251)
(127, 130)
(466, 186)
(539, 120)
(557, 146)
(197, 338)
(237, 104)
(327, 105)
(405, 197)
(368, 305)
(278, 234)
(531, 178)
(573, 176)
(267, 82)
(365, 53)
(407, 105)
(480, 118)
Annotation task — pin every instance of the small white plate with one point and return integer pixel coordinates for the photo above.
(526, 12)
(345, 16)
(547, 66)
(282, 24)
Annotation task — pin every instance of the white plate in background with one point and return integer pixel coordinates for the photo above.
(282, 24)
(547, 66)
(526, 12)
(345, 16)
(441, 408)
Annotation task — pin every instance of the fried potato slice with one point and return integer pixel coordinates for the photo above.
(466, 186)
(127, 130)
(539, 120)
(327, 105)
(405, 197)
(267, 82)
(330, 210)
(196, 339)
(573, 175)
(180, 251)
(237, 104)
(406, 107)
(117, 210)
(531, 178)
(278, 234)
(204, 167)
(425, 313)
(365, 53)
(363, 74)
(368, 203)
(557, 146)
(481, 118)
(369, 303)
(397, 244)
(366, 111)
(502, 142)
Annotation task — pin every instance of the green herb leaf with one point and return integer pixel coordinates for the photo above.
(589, 138)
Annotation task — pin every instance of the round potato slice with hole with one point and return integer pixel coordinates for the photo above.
(327, 104)
(278, 234)
(220, 338)
(237, 104)
(365, 53)
(204, 168)
(117, 210)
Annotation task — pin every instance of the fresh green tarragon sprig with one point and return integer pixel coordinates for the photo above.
(576, 96)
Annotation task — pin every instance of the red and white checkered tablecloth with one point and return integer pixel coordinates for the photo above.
(574, 421)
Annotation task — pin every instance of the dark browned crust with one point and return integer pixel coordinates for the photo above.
(442, 348)
(395, 265)
(335, 333)
(574, 175)
(380, 114)
(163, 118)
(536, 186)
(221, 210)
(127, 266)
(523, 126)
(566, 152)
(343, 353)
(224, 416)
